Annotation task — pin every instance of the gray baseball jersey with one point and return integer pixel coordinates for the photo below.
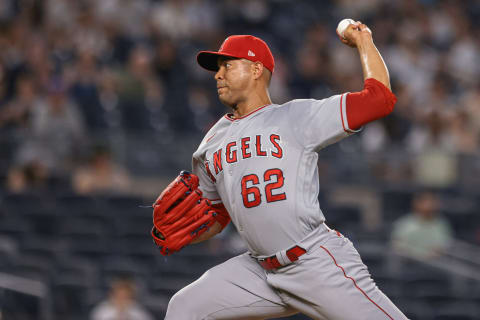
(263, 167)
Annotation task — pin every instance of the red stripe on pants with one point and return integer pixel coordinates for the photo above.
(354, 282)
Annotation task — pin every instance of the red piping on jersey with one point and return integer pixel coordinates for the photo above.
(228, 115)
(210, 138)
(341, 114)
(355, 283)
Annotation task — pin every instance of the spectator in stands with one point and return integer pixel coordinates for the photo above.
(463, 133)
(121, 304)
(101, 174)
(422, 233)
(30, 177)
(16, 118)
(137, 85)
(17, 113)
(85, 78)
(56, 137)
(433, 153)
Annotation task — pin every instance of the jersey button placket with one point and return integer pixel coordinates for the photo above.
(233, 136)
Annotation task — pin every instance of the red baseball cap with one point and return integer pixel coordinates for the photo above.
(238, 46)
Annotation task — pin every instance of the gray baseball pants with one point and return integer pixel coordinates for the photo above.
(330, 282)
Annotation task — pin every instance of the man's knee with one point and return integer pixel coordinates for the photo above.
(186, 305)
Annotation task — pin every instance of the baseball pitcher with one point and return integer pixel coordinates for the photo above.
(257, 167)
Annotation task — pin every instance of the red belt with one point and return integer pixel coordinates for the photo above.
(273, 263)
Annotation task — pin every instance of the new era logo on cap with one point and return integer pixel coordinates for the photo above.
(238, 46)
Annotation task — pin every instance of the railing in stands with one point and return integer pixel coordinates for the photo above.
(28, 287)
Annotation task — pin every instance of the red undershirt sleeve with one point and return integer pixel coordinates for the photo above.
(375, 101)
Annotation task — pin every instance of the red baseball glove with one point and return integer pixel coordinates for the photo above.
(180, 214)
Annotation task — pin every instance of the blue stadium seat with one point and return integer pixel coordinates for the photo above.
(71, 202)
(25, 202)
(93, 248)
(126, 202)
(78, 227)
(48, 247)
(32, 267)
(43, 221)
(460, 309)
(413, 309)
(70, 296)
(396, 203)
(75, 266)
(115, 266)
(15, 226)
(156, 304)
(16, 305)
(343, 218)
(168, 285)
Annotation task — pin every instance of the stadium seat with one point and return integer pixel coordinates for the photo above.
(458, 309)
(395, 203)
(343, 218)
(48, 247)
(454, 317)
(93, 248)
(433, 297)
(156, 304)
(70, 294)
(15, 226)
(32, 267)
(71, 202)
(125, 202)
(413, 309)
(167, 286)
(115, 266)
(79, 227)
(25, 202)
(43, 221)
(16, 305)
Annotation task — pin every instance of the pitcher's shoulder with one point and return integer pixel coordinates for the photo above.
(337, 98)
(213, 134)
(296, 102)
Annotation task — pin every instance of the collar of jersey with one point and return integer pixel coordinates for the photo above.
(229, 116)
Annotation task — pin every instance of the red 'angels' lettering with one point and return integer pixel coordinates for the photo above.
(245, 147)
(231, 156)
(217, 161)
(279, 152)
(260, 152)
(234, 152)
(244, 150)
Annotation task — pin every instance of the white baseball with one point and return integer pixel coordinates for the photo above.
(343, 25)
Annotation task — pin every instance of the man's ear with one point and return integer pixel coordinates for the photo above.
(258, 69)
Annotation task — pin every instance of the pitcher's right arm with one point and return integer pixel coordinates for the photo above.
(376, 100)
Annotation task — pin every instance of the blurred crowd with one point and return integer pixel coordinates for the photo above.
(98, 96)
(77, 77)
